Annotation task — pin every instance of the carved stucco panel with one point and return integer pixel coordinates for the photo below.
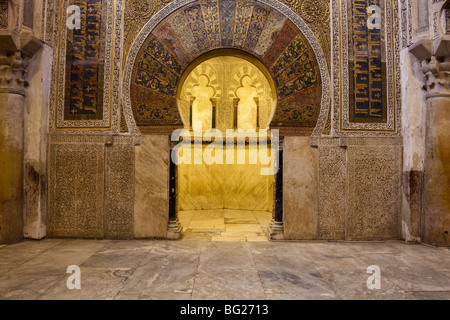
(76, 190)
(374, 192)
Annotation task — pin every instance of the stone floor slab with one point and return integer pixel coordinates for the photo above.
(226, 256)
(228, 285)
(202, 269)
(96, 284)
(163, 273)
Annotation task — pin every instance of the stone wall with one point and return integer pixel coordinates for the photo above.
(299, 189)
(35, 140)
(382, 178)
(346, 189)
(338, 188)
(151, 206)
(414, 116)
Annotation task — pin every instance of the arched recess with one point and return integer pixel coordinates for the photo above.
(184, 30)
(225, 69)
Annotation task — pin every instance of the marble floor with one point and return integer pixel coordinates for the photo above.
(207, 270)
(225, 225)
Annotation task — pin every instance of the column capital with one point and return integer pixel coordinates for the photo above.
(12, 73)
(437, 77)
(433, 52)
(434, 56)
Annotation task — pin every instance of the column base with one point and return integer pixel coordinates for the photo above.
(174, 230)
(276, 230)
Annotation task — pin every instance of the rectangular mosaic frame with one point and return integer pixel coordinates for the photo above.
(341, 98)
(112, 62)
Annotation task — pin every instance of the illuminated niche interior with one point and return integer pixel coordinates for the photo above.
(225, 92)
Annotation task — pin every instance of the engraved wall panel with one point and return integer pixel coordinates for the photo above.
(374, 192)
(332, 190)
(76, 190)
(119, 189)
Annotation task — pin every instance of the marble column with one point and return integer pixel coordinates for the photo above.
(12, 92)
(276, 228)
(174, 227)
(436, 224)
(433, 52)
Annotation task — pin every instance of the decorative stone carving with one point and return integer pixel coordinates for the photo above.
(434, 54)
(437, 76)
(137, 13)
(374, 192)
(332, 190)
(317, 15)
(123, 123)
(12, 73)
(119, 188)
(406, 22)
(76, 189)
(447, 20)
(225, 74)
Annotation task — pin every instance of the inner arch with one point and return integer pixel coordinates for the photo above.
(225, 71)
